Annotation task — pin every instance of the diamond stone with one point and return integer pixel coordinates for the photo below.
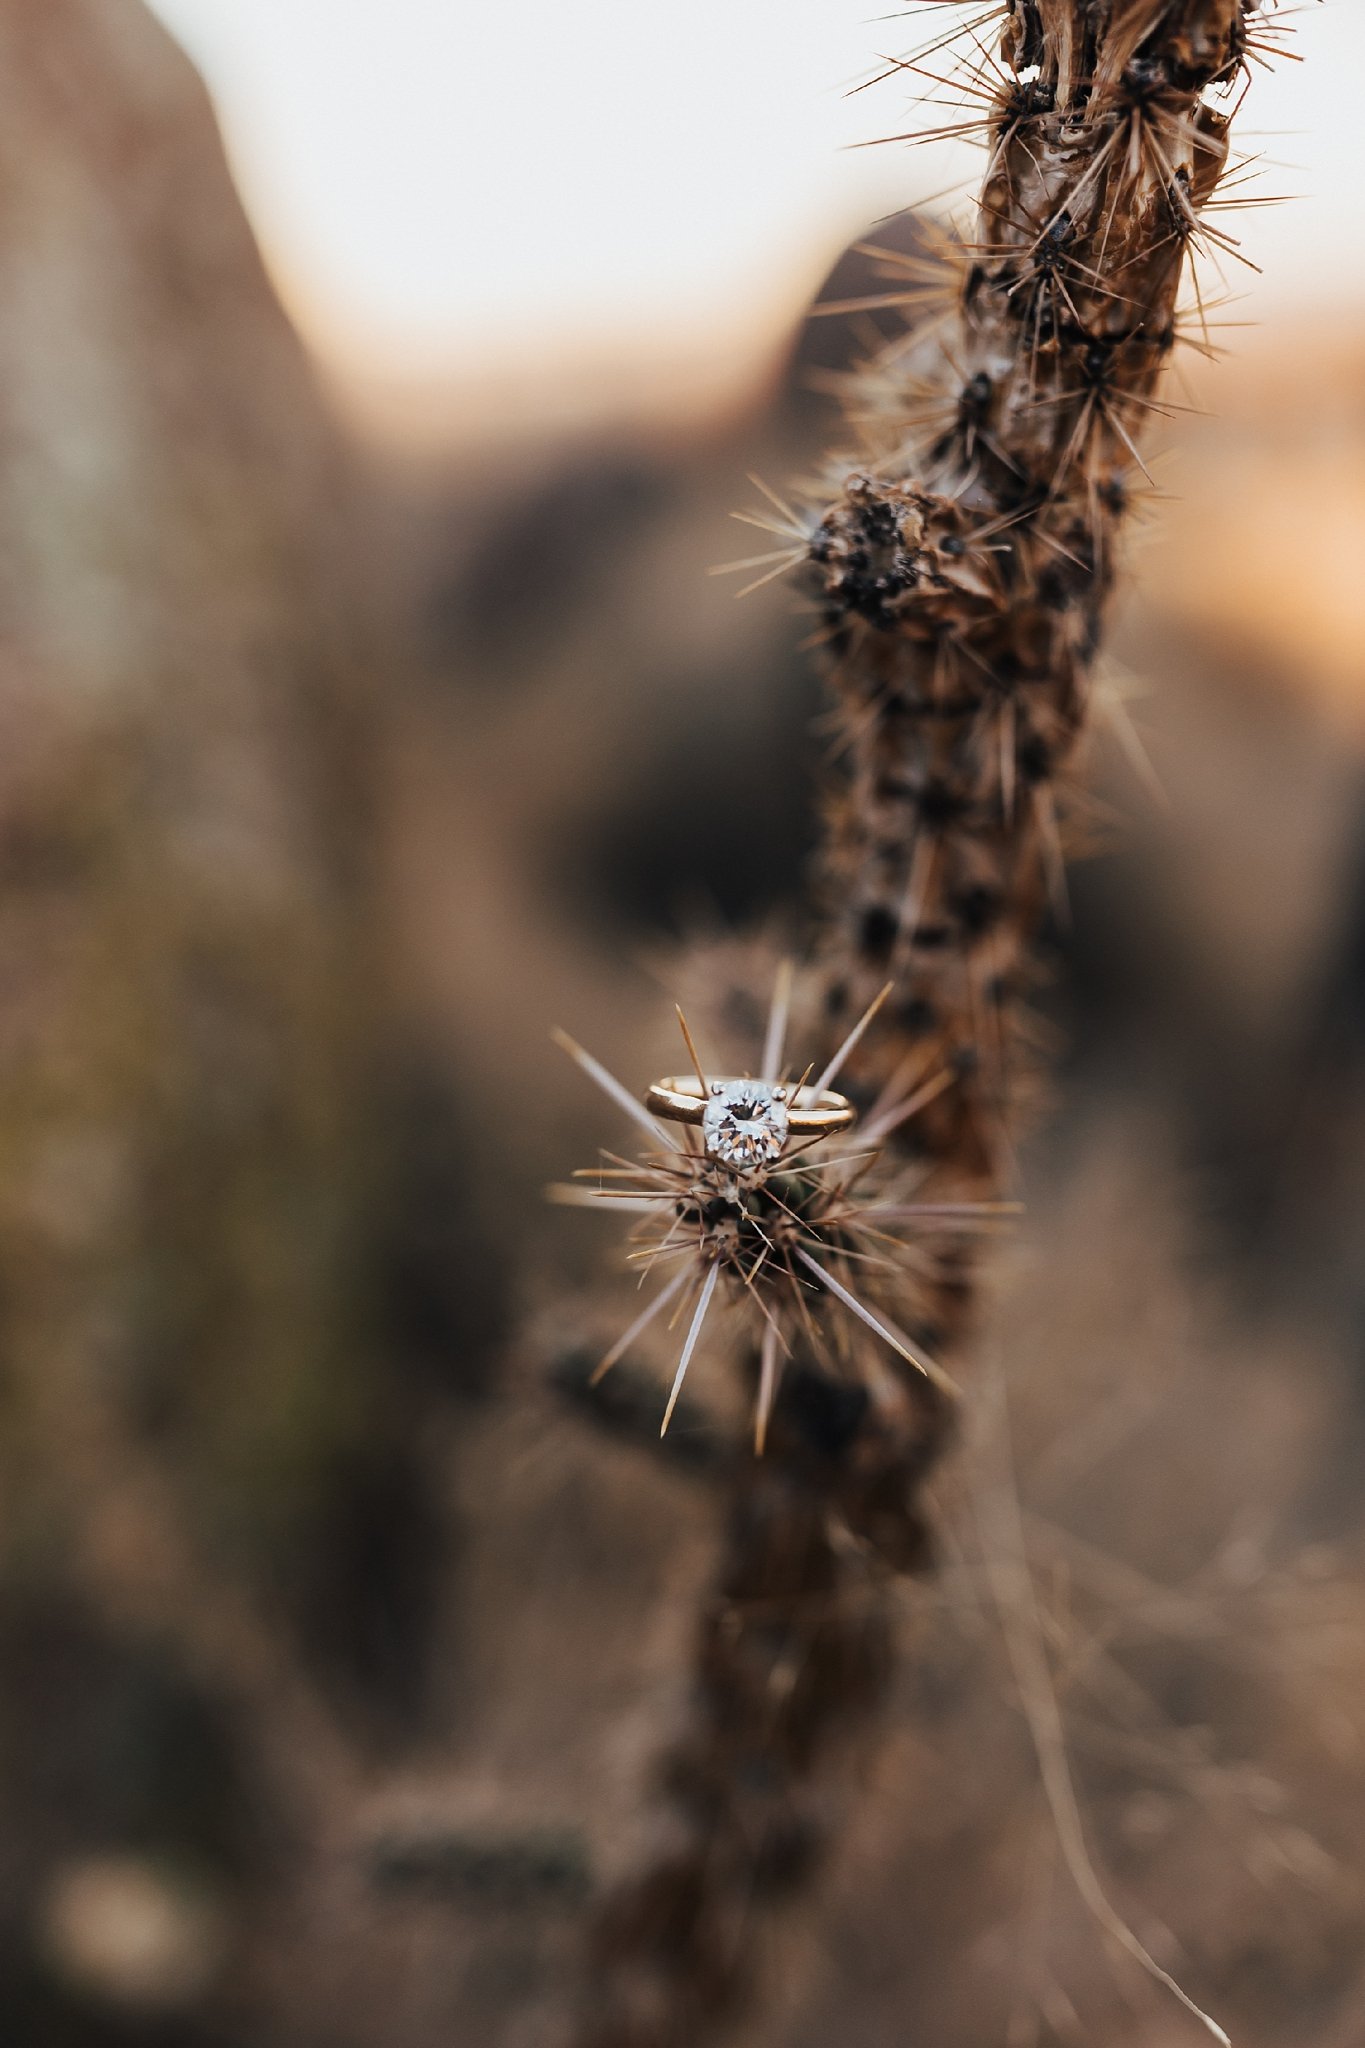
(745, 1124)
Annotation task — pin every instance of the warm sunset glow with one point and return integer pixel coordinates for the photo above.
(444, 187)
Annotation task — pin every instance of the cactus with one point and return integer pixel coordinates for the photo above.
(961, 560)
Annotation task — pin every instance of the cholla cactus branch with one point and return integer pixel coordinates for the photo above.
(961, 570)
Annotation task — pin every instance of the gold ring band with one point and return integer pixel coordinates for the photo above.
(810, 1113)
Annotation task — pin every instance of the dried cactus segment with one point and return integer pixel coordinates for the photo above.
(960, 555)
(963, 568)
(810, 1244)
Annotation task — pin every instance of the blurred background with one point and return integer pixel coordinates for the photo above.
(376, 382)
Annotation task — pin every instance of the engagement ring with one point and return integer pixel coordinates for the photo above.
(747, 1123)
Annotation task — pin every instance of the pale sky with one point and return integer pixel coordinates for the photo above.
(447, 184)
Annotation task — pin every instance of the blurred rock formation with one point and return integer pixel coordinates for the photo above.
(211, 1490)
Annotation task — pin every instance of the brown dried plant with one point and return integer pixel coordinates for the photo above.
(960, 562)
